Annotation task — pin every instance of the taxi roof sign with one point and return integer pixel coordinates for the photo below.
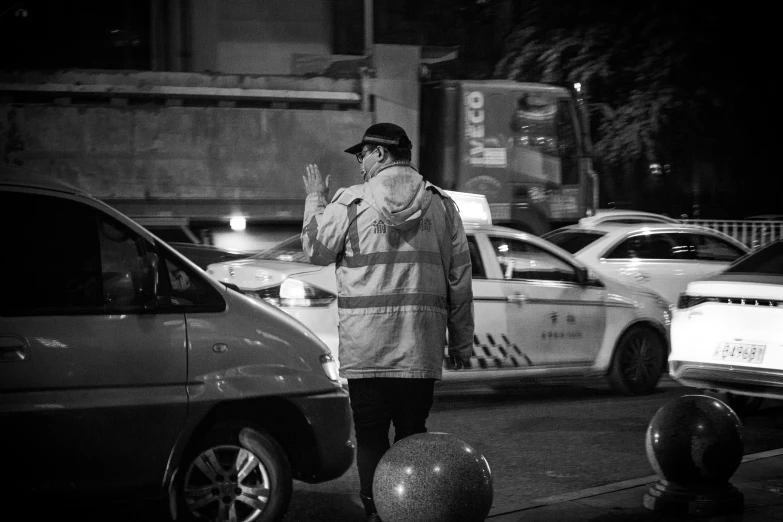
(473, 208)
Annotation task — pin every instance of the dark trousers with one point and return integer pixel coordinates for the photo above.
(378, 402)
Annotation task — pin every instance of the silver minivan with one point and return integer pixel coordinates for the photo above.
(127, 372)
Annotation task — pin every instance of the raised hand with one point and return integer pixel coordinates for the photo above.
(314, 183)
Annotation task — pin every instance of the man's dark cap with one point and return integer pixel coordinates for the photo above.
(386, 134)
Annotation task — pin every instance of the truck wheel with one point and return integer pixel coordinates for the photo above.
(638, 362)
(235, 473)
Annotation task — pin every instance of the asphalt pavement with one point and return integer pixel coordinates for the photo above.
(569, 453)
(759, 478)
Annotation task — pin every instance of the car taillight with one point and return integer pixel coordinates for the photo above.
(297, 293)
(270, 295)
(689, 301)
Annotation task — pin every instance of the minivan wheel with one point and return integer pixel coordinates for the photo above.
(638, 362)
(236, 473)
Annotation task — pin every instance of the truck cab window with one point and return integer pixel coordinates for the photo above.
(544, 140)
(567, 148)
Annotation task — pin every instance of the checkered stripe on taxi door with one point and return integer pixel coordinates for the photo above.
(491, 351)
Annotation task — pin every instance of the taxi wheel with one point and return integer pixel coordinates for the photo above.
(235, 473)
(638, 362)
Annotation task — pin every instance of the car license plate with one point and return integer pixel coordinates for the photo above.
(740, 352)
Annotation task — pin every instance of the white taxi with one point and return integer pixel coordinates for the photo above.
(605, 216)
(538, 311)
(664, 257)
(727, 333)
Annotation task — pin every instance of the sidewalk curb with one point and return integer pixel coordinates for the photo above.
(606, 488)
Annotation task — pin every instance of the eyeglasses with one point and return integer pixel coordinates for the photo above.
(360, 155)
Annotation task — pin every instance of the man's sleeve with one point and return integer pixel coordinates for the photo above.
(324, 229)
(460, 322)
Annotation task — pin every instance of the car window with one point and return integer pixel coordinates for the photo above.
(710, 248)
(56, 266)
(666, 246)
(766, 260)
(521, 260)
(475, 259)
(186, 288)
(122, 263)
(572, 241)
(74, 259)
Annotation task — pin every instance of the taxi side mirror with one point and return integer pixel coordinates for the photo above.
(582, 275)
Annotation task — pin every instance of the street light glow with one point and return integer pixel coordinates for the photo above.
(238, 223)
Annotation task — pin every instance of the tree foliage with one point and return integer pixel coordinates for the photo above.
(646, 68)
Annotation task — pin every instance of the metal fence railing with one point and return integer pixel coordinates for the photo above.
(753, 233)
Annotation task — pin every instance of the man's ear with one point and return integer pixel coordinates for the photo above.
(384, 153)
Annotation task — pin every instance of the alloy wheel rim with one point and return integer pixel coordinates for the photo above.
(226, 483)
(640, 361)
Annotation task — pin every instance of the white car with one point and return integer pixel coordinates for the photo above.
(663, 257)
(727, 330)
(623, 217)
(538, 312)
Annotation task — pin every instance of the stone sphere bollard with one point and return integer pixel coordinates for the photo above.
(694, 444)
(432, 477)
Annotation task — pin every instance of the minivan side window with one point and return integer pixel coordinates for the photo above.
(72, 258)
(186, 288)
(56, 265)
(122, 268)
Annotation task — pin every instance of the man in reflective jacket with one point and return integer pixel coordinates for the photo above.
(403, 279)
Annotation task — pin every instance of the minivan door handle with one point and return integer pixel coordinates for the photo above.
(12, 348)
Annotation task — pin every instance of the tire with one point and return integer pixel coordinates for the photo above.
(638, 362)
(238, 471)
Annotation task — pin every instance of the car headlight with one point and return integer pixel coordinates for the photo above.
(689, 301)
(330, 367)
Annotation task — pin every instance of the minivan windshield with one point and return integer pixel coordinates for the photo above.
(766, 260)
(572, 241)
(287, 250)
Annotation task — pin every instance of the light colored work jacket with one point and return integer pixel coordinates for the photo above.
(403, 273)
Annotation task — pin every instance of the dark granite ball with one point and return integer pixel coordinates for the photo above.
(695, 440)
(432, 477)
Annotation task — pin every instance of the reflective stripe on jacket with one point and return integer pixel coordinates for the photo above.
(391, 239)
